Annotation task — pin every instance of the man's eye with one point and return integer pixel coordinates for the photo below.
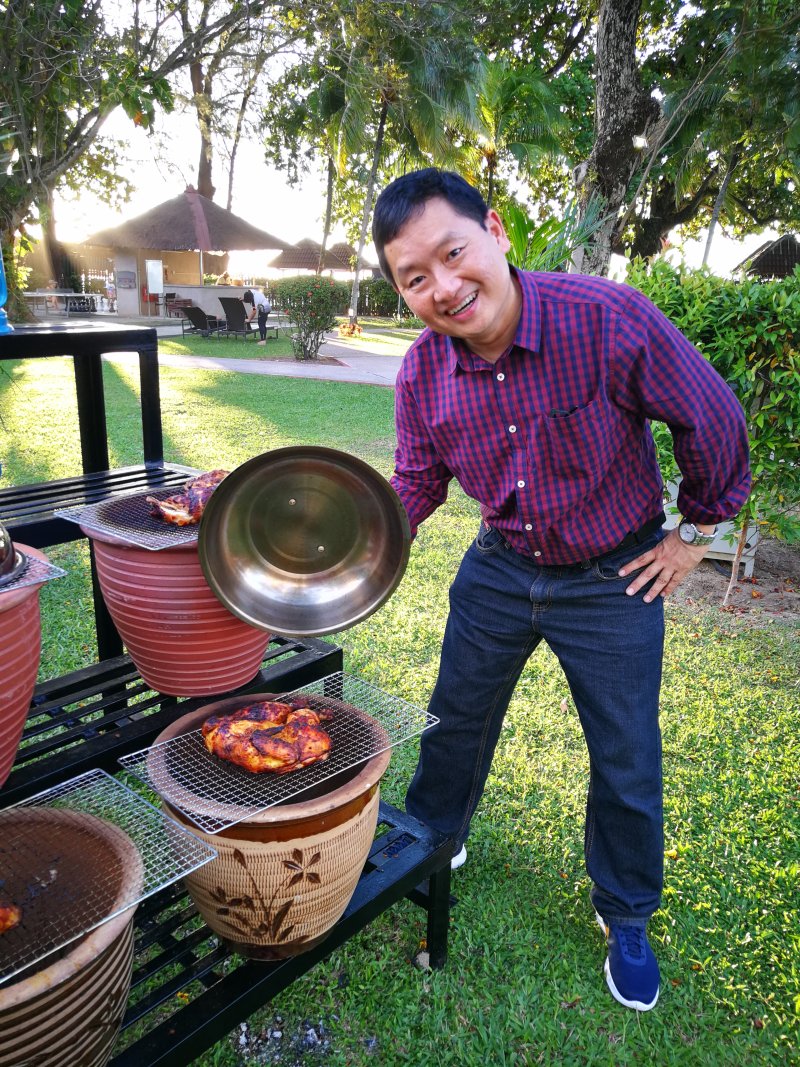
(415, 282)
(454, 252)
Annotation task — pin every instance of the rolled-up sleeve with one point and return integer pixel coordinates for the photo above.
(658, 371)
(420, 478)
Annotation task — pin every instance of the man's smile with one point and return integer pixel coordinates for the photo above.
(465, 303)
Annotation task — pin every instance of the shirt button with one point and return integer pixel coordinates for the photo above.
(501, 377)
(528, 526)
(537, 553)
(512, 429)
(520, 484)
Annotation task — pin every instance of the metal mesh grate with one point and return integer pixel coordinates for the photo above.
(34, 572)
(79, 854)
(129, 518)
(215, 794)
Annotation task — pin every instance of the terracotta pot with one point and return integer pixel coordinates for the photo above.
(181, 638)
(69, 1010)
(20, 648)
(282, 878)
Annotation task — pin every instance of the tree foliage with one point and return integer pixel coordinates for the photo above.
(750, 331)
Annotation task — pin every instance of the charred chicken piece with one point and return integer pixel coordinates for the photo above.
(269, 736)
(186, 508)
(10, 916)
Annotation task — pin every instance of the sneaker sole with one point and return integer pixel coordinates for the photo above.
(637, 1005)
(459, 859)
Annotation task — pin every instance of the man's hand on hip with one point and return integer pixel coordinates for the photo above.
(666, 566)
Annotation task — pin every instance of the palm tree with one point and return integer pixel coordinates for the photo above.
(518, 114)
(410, 79)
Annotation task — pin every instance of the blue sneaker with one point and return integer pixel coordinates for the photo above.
(631, 968)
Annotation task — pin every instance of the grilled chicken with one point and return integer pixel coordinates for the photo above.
(186, 508)
(269, 736)
(10, 916)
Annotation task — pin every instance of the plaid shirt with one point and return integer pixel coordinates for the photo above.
(553, 439)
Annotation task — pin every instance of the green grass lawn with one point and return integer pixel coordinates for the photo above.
(523, 984)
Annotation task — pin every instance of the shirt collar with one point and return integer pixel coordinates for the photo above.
(529, 329)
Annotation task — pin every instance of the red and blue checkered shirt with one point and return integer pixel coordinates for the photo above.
(553, 439)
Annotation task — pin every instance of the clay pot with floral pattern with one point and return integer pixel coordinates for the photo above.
(283, 877)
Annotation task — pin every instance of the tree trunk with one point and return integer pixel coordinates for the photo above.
(328, 210)
(247, 96)
(741, 542)
(623, 110)
(723, 189)
(490, 187)
(368, 199)
(201, 89)
(54, 250)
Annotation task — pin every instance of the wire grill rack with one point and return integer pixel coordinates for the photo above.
(129, 518)
(62, 865)
(215, 794)
(34, 572)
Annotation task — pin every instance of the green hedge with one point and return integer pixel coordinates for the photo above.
(750, 333)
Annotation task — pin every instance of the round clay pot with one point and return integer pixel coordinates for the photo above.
(283, 877)
(181, 638)
(20, 649)
(68, 1008)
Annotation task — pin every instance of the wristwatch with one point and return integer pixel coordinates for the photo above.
(690, 535)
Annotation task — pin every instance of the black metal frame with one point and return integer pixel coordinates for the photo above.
(92, 717)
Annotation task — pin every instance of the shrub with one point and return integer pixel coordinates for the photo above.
(311, 303)
(750, 333)
(376, 297)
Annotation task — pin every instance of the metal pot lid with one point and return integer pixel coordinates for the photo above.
(304, 541)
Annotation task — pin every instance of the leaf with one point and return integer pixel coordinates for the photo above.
(297, 855)
(314, 859)
(314, 878)
(295, 879)
(280, 915)
(239, 857)
(283, 936)
(290, 866)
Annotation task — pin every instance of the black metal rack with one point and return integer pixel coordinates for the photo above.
(92, 717)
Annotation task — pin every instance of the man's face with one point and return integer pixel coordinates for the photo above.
(454, 276)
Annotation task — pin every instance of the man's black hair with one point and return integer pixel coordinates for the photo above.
(407, 196)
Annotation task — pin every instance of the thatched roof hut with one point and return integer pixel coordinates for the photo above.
(189, 222)
(774, 259)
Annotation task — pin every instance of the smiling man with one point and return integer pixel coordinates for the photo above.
(534, 391)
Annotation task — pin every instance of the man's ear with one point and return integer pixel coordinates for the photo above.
(494, 224)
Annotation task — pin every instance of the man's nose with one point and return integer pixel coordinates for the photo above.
(445, 286)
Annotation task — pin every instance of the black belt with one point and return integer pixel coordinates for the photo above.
(636, 537)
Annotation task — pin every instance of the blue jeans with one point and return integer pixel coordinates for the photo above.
(610, 648)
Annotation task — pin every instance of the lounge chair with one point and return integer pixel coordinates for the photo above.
(236, 319)
(200, 322)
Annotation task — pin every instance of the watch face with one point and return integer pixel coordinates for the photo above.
(687, 533)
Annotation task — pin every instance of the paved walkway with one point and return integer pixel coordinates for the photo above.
(368, 368)
(357, 365)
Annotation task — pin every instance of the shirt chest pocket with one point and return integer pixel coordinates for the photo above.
(572, 450)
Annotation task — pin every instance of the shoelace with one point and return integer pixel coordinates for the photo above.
(631, 940)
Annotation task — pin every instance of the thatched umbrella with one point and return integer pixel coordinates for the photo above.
(189, 222)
